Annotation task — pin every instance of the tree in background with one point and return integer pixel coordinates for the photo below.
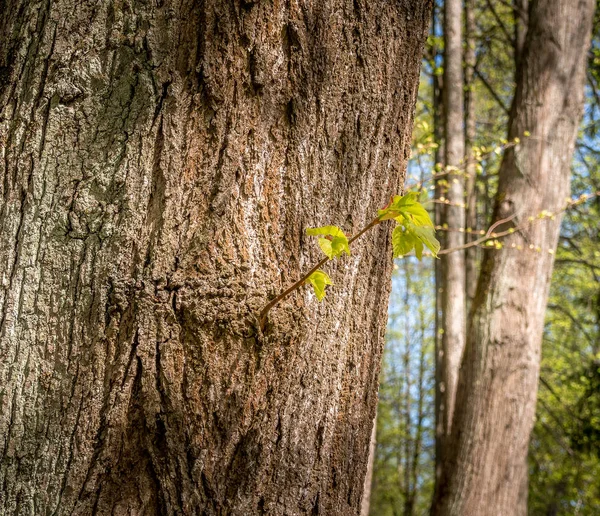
(403, 480)
(486, 472)
(452, 278)
(557, 483)
(565, 447)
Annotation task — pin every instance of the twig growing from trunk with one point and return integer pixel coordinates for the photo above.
(302, 280)
(414, 230)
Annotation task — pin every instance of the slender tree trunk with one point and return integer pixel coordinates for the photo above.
(521, 20)
(160, 162)
(471, 269)
(496, 397)
(418, 440)
(452, 284)
(408, 422)
(366, 500)
(438, 132)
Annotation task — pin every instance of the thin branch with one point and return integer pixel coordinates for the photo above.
(498, 223)
(578, 262)
(491, 90)
(508, 36)
(493, 236)
(302, 280)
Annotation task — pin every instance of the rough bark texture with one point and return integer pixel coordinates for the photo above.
(452, 284)
(160, 162)
(495, 402)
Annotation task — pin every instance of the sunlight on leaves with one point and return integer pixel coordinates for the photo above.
(319, 280)
(335, 242)
(415, 228)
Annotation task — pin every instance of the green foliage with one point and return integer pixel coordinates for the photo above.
(414, 228)
(319, 280)
(564, 455)
(335, 242)
(403, 242)
(403, 467)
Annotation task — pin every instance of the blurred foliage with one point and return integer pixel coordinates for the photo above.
(565, 446)
(403, 469)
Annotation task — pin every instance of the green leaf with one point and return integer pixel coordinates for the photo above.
(392, 210)
(407, 206)
(335, 242)
(419, 249)
(325, 230)
(402, 241)
(426, 235)
(417, 215)
(326, 247)
(319, 280)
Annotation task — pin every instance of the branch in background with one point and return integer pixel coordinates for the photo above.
(491, 90)
(573, 319)
(508, 36)
(490, 236)
(577, 261)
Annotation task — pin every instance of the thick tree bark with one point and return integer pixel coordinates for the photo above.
(160, 162)
(495, 402)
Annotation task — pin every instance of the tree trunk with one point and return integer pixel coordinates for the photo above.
(366, 499)
(160, 162)
(452, 285)
(495, 402)
(439, 156)
(471, 255)
(520, 20)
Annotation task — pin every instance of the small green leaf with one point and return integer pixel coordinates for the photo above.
(393, 209)
(426, 235)
(325, 230)
(319, 280)
(406, 206)
(335, 242)
(417, 215)
(402, 241)
(326, 247)
(339, 244)
(407, 199)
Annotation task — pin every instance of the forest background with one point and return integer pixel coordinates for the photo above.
(564, 453)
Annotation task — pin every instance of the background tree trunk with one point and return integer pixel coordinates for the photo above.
(470, 167)
(160, 162)
(520, 16)
(498, 383)
(366, 500)
(439, 158)
(452, 284)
